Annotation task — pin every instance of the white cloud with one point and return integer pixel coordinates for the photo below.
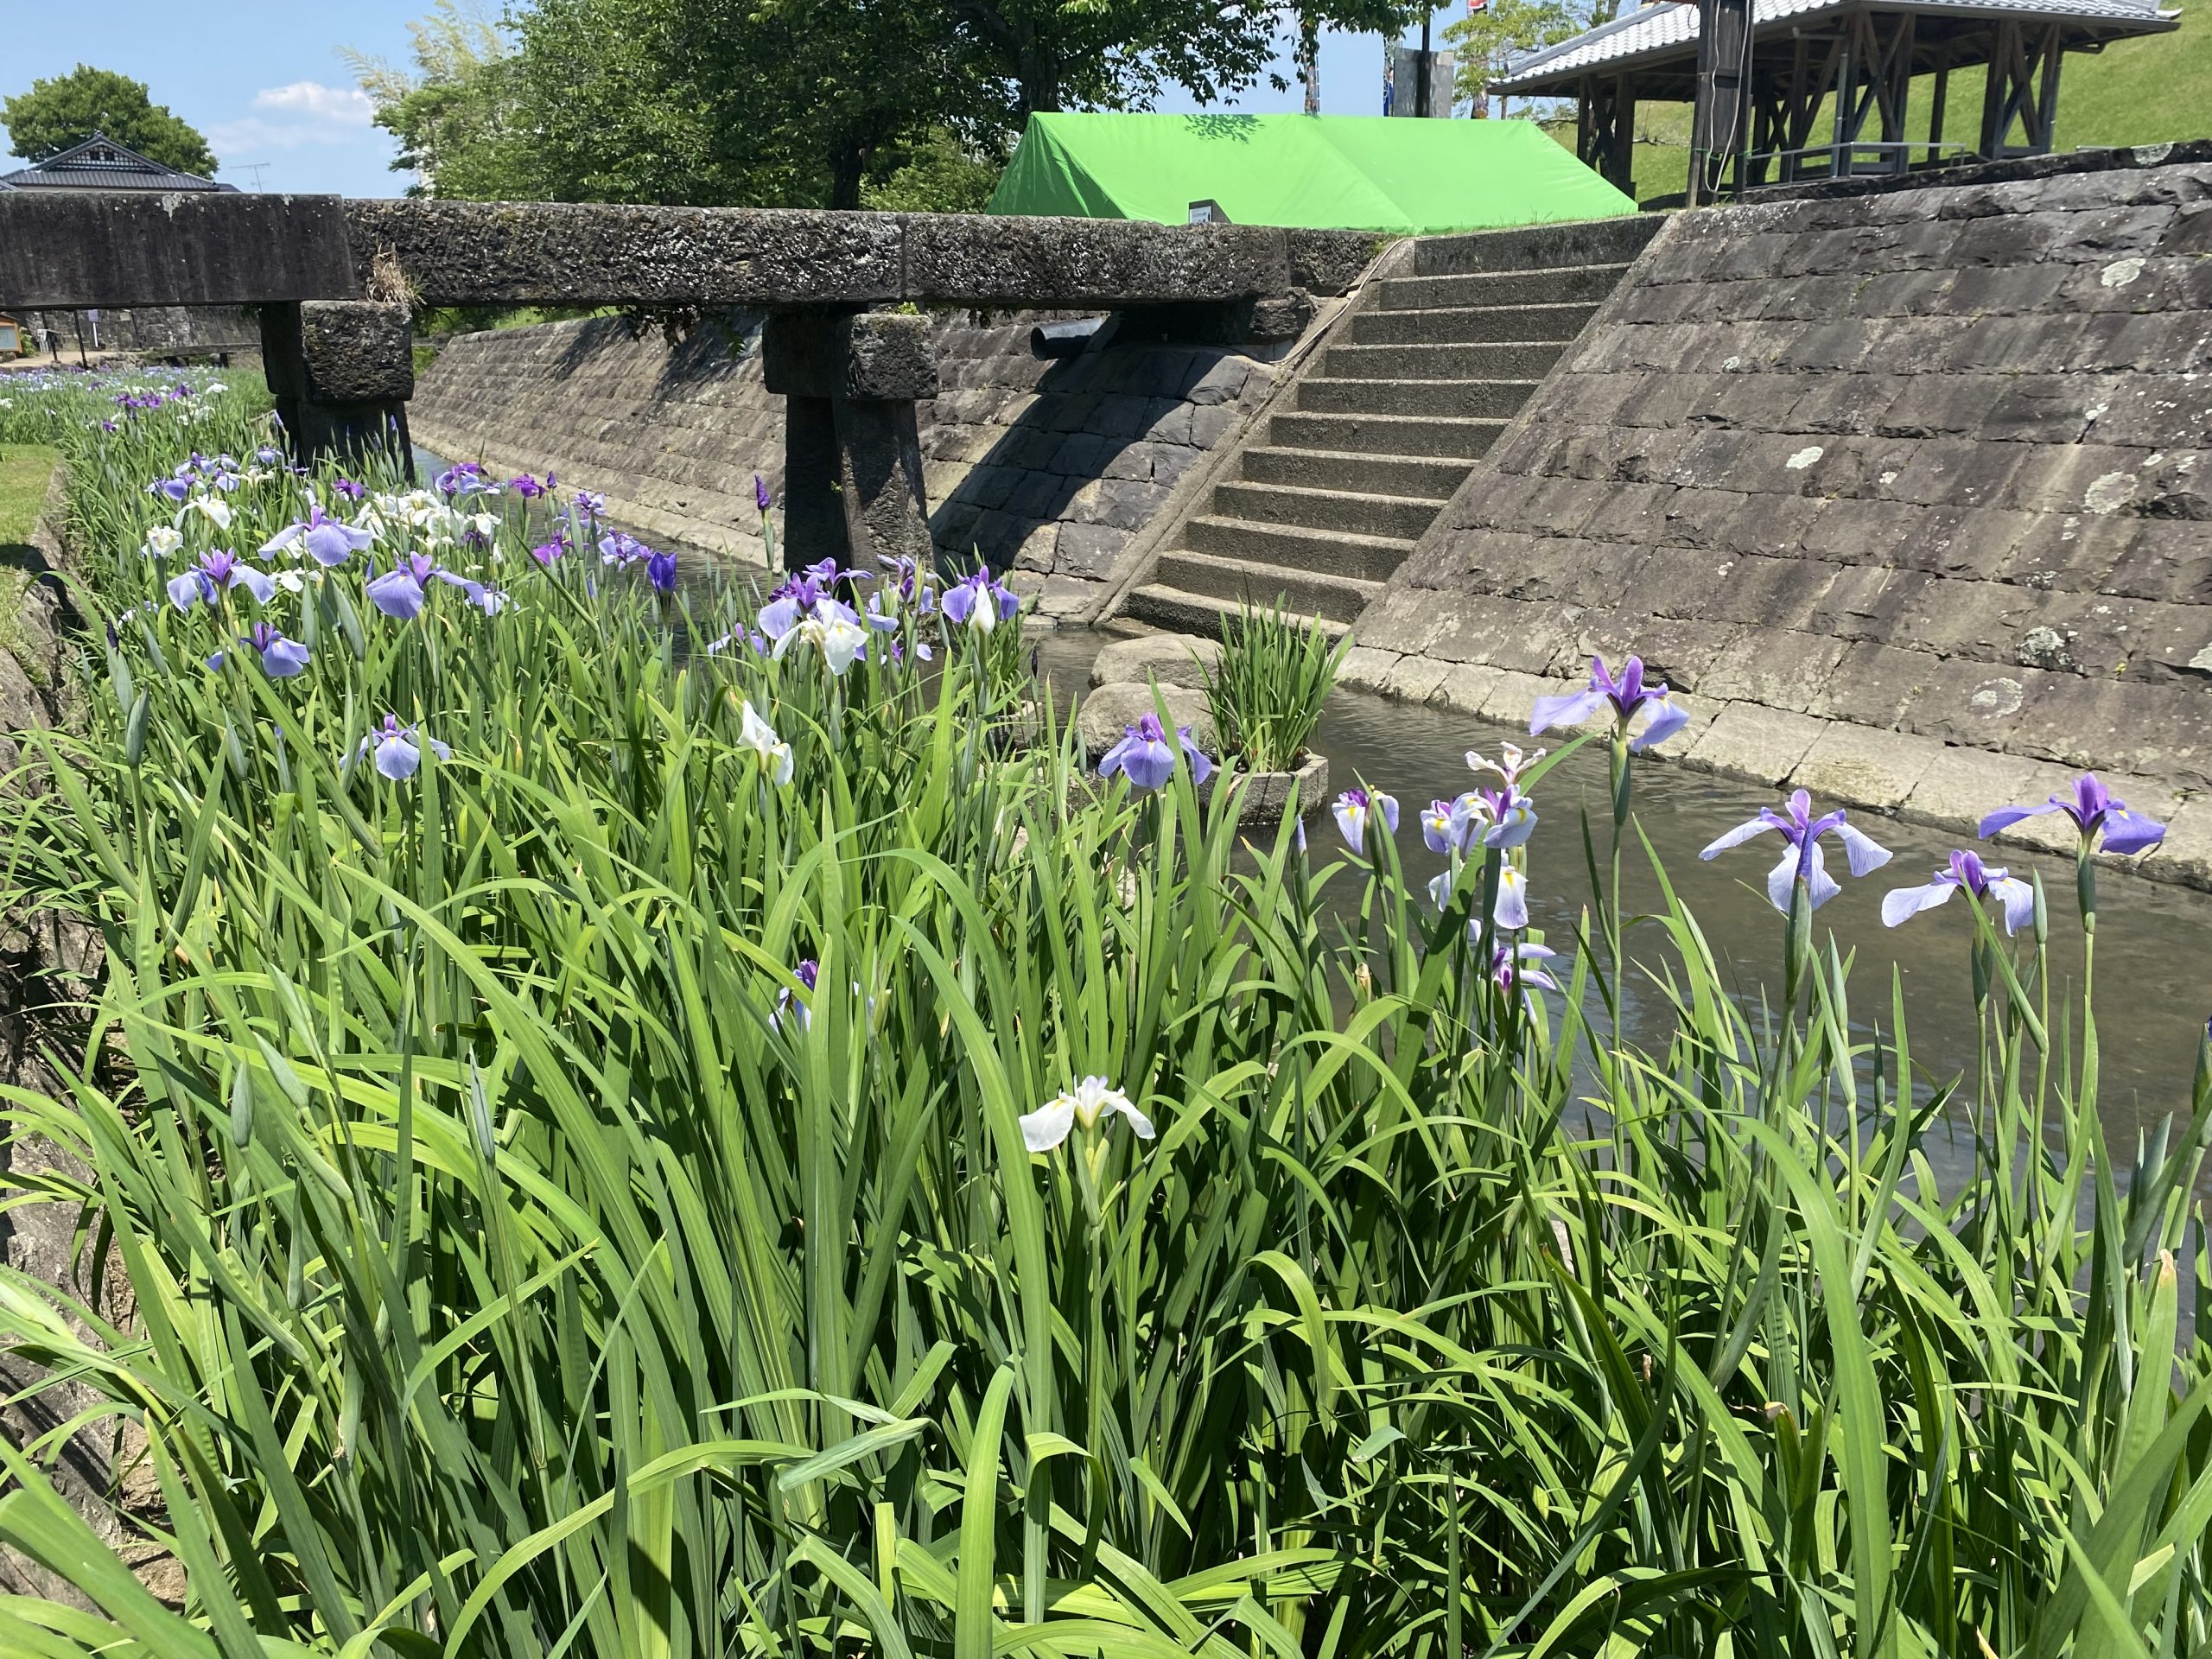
(303, 114)
(344, 106)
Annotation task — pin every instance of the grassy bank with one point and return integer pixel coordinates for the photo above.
(26, 472)
(641, 1126)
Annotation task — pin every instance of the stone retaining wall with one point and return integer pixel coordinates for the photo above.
(1048, 468)
(1913, 492)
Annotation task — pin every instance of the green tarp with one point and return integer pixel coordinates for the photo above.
(1361, 173)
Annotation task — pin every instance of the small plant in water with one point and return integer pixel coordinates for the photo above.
(1275, 672)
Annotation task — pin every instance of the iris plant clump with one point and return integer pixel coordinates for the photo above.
(612, 1122)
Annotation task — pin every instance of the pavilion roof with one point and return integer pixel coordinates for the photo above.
(101, 164)
(1667, 34)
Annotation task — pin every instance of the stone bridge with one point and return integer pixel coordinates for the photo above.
(335, 281)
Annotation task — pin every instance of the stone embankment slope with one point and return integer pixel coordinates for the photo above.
(1407, 392)
(1911, 492)
(1047, 468)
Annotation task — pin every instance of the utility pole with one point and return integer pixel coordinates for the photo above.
(1421, 86)
(1721, 116)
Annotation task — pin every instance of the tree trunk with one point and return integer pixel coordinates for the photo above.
(848, 162)
(1309, 59)
(1038, 71)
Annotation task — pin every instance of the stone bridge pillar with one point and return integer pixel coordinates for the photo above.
(342, 371)
(852, 449)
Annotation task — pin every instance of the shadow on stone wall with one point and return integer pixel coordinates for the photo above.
(1051, 475)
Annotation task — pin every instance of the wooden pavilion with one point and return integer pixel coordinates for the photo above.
(1771, 65)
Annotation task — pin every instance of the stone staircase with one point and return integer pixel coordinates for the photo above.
(1413, 384)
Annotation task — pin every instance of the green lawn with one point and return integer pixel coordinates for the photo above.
(2140, 91)
(25, 469)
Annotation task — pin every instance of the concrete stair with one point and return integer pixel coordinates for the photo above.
(1335, 486)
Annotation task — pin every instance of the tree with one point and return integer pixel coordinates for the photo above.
(58, 114)
(457, 113)
(1486, 40)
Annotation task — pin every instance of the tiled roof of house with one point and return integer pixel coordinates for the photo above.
(100, 163)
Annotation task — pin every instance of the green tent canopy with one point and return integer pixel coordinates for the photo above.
(1329, 172)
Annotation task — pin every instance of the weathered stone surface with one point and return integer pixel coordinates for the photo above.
(1262, 797)
(1110, 711)
(1750, 742)
(872, 357)
(1935, 463)
(357, 350)
(71, 248)
(1869, 767)
(1328, 262)
(1012, 260)
(1171, 659)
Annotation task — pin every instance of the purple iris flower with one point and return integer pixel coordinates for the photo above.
(1801, 860)
(267, 456)
(399, 592)
(1146, 757)
(979, 603)
(660, 571)
(808, 595)
(490, 600)
(620, 548)
(350, 490)
(1965, 870)
(546, 552)
(216, 571)
(1628, 695)
(760, 492)
(591, 504)
(909, 583)
(1514, 967)
(2093, 808)
(1356, 809)
(465, 479)
(807, 972)
(281, 658)
(175, 488)
(526, 486)
(329, 541)
(397, 749)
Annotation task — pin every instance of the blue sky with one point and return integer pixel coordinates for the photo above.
(264, 80)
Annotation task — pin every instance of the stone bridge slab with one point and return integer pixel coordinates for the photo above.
(82, 249)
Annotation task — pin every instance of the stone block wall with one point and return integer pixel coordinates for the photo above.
(1048, 468)
(1934, 464)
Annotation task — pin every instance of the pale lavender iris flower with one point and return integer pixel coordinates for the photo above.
(330, 542)
(1356, 809)
(808, 595)
(2094, 809)
(1516, 967)
(281, 658)
(1147, 757)
(215, 572)
(799, 1009)
(1800, 859)
(397, 750)
(1965, 870)
(399, 592)
(979, 603)
(1628, 698)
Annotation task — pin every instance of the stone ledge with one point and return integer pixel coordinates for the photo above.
(1917, 779)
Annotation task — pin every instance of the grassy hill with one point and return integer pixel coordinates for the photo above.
(2139, 92)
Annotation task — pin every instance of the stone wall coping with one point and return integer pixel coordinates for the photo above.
(68, 249)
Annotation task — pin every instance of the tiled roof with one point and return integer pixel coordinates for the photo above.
(1661, 30)
(100, 163)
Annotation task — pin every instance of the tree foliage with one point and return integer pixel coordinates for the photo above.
(456, 113)
(1485, 40)
(64, 112)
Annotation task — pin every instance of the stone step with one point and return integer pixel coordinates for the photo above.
(1559, 324)
(1561, 284)
(1294, 549)
(1375, 436)
(1308, 592)
(1386, 470)
(1171, 608)
(1578, 241)
(1495, 400)
(1518, 359)
(1361, 514)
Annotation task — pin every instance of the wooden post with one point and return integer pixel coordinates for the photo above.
(1936, 109)
(2054, 53)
